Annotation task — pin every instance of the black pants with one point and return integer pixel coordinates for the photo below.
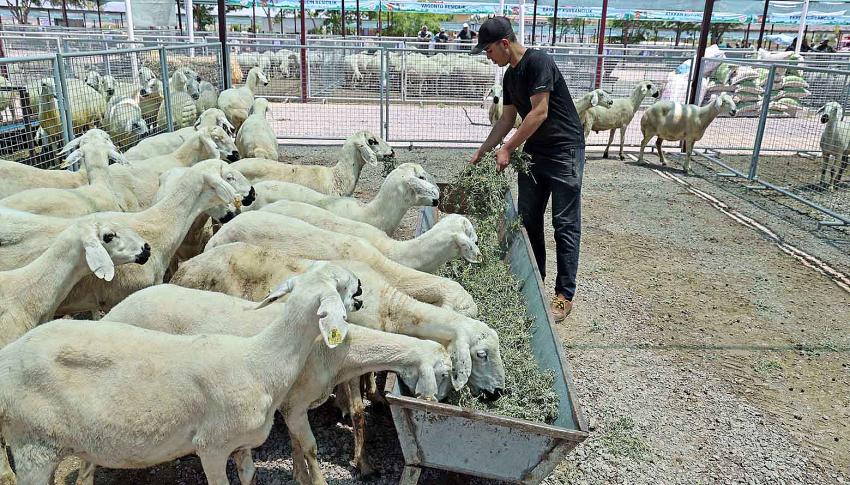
(559, 176)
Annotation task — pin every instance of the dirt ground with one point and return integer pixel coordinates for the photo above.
(701, 352)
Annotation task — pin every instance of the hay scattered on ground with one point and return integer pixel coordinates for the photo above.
(501, 304)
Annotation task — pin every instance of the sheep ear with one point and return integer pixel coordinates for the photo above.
(99, 261)
(282, 290)
(718, 102)
(332, 324)
(118, 157)
(366, 152)
(821, 109)
(594, 99)
(197, 123)
(461, 363)
(75, 143)
(71, 159)
(426, 385)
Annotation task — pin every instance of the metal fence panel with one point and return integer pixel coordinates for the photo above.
(21, 107)
(330, 102)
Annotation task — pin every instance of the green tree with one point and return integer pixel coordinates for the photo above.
(679, 28)
(407, 24)
(20, 9)
(716, 31)
(203, 15)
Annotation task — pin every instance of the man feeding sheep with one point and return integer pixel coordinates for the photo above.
(553, 136)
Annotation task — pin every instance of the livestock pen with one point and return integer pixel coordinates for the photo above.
(663, 310)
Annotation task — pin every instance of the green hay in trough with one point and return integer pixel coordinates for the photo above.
(500, 302)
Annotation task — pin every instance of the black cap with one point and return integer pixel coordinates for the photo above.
(496, 28)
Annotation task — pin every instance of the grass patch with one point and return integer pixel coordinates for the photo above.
(768, 367)
(620, 439)
(500, 302)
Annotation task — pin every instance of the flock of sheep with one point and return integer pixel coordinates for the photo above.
(299, 292)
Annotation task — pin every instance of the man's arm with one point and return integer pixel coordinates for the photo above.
(538, 114)
(502, 127)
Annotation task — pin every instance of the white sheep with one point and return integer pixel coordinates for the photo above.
(359, 149)
(163, 226)
(99, 195)
(405, 187)
(834, 142)
(236, 102)
(150, 100)
(592, 99)
(423, 365)
(203, 143)
(210, 395)
(307, 241)
(86, 104)
(124, 121)
(453, 236)
(5, 96)
(256, 137)
(110, 87)
(668, 120)
(619, 115)
(183, 110)
(494, 112)
(247, 270)
(166, 143)
(207, 97)
(32, 293)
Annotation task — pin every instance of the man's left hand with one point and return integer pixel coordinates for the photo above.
(503, 159)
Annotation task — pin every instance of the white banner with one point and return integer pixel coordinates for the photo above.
(154, 13)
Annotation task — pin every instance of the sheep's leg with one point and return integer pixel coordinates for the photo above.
(844, 162)
(7, 476)
(823, 169)
(689, 146)
(658, 142)
(245, 466)
(299, 463)
(643, 146)
(299, 429)
(214, 463)
(358, 421)
(36, 464)
(86, 474)
(608, 146)
(622, 141)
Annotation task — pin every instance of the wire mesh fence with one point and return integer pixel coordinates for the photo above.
(22, 108)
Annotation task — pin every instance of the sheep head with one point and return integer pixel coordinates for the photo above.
(371, 148)
(215, 117)
(601, 98)
(256, 73)
(831, 111)
(218, 141)
(413, 185)
(725, 104)
(648, 88)
(107, 85)
(486, 370)
(259, 107)
(240, 184)
(107, 244)
(92, 78)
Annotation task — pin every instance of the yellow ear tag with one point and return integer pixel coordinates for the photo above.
(237, 203)
(335, 337)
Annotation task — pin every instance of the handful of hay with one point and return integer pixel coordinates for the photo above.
(530, 390)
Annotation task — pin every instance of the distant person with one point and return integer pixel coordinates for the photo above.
(804, 47)
(442, 38)
(424, 34)
(824, 46)
(466, 35)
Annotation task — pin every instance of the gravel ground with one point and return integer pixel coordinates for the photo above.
(701, 352)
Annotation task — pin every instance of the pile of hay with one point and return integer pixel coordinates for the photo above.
(531, 395)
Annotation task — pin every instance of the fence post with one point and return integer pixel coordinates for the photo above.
(63, 104)
(383, 95)
(765, 110)
(166, 88)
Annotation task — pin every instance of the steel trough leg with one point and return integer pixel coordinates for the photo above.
(410, 475)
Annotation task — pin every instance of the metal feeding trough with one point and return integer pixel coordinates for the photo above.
(482, 444)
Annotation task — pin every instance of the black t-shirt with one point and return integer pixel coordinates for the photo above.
(535, 73)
